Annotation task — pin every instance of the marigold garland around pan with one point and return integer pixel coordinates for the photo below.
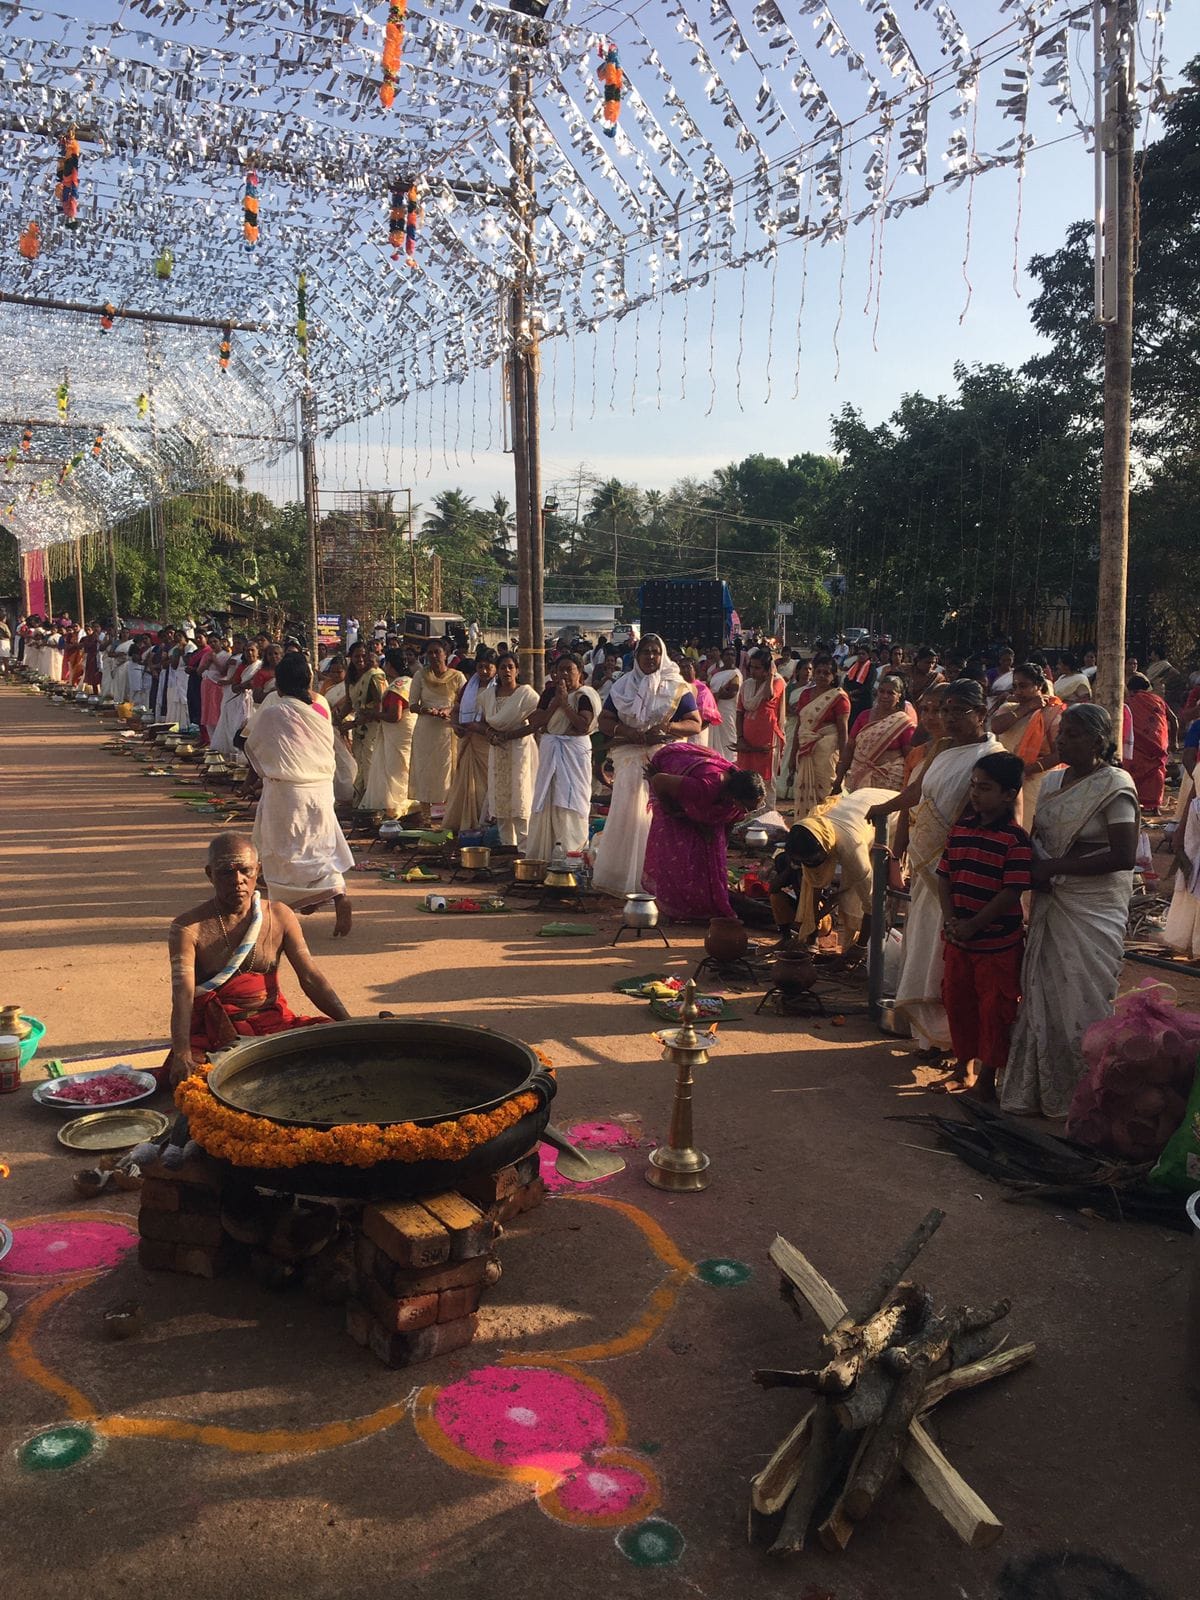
(249, 1141)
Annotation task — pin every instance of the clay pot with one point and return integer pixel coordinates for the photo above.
(726, 939)
(795, 971)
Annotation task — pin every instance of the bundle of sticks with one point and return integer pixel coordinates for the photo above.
(890, 1359)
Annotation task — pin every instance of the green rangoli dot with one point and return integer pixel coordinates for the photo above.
(57, 1448)
(721, 1273)
(653, 1543)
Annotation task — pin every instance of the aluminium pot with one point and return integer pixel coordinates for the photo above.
(640, 911)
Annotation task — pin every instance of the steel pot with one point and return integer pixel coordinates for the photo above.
(640, 911)
(474, 857)
(528, 870)
(757, 838)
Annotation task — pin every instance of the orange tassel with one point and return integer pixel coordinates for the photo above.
(30, 242)
(393, 49)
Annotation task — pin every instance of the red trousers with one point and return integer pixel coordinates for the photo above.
(981, 992)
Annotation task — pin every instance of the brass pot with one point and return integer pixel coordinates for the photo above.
(528, 870)
(560, 880)
(474, 857)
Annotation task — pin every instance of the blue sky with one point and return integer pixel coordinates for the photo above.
(647, 431)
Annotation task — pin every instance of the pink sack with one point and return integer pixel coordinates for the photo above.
(1140, 1066)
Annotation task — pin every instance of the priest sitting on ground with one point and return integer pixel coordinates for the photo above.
(225, 962)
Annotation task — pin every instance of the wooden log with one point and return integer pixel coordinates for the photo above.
(824, 1299)
(817, 1468)
(885, 1442)
(890, 1275)
(948, 1494)
(787, 1378)
(998, 1365)
(939, 1481)
(771, 1489)
(837, 1529)
(863, 1406)
(856, 1344)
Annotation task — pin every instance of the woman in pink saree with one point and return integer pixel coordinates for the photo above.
(695, 796)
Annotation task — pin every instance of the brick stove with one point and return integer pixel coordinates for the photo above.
(410, 1273)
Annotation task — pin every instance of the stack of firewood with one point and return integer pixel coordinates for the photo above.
(890, 1359)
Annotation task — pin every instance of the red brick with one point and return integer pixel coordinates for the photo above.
(432, 1280)
(469, 1228)
(365, 1255)
(156, 1195)
(178, 1227)
(533, 1194)
(407, 1234)
(488, 1189)
(199, 1170)
(199, 1202)
(358, 1322)
(406, 1349)
(456, 1303)
(401, 1316)
(201, 1263)
(156, 1255)
(529, 1166)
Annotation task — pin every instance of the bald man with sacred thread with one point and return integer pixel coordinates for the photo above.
(225, 958)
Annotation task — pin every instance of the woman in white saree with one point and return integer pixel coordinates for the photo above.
(387, 780)
(1084, 843)
(937, 798)
(646, 707)
(506, 706)
(562, 795)
(302, 850)
(724, 684)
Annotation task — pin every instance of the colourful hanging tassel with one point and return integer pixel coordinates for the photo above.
(143, 404)
(106, 317)
(396, 224)
(63, 396)
(68, 180)
(612, 78)
(412, 220)
(250, 211)
(98, 444)
(393, 49)
(226, 347)
(302, 316)
(27, 438)
(165, 264)
(30, 242)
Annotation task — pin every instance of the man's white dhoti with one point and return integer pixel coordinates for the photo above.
(303, 852)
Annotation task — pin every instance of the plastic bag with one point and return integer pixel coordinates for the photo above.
(1179, 1165)
(1140, 1065)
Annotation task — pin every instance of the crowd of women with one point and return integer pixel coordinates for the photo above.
(678, 744)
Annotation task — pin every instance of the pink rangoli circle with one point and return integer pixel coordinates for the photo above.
(61, 1248)
(523, 1417)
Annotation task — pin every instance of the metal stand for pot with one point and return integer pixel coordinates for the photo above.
(739, 967)
(638, 932)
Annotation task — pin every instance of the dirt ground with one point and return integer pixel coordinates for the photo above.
(243, 1467)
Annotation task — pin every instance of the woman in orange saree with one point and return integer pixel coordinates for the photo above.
(1027, 725)
(1153, 724)
(760, 719)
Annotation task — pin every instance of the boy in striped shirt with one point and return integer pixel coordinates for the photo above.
(984, 870)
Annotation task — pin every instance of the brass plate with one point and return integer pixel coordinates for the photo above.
(112, 1130)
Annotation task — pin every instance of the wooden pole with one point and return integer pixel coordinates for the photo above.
(537, 517)
(518, 383)
(112, 582)
(308, 457)
(412, 550)
(79, 617)
(1119, 16)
